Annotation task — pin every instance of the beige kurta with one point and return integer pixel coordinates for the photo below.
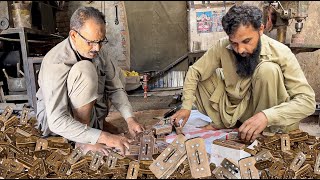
(278, 87)
(55, 102)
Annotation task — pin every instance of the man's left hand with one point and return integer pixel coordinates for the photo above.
(252, 127)
(134, 127)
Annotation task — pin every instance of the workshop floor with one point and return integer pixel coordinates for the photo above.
(156, 105)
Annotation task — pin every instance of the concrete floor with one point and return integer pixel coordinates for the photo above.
(157, 103)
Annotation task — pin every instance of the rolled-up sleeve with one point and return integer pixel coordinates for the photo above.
(60, 121)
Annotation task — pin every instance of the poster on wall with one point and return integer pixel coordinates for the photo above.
(216, 19)
(204, 21)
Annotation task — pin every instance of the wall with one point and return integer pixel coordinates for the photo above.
(118, 35)
(158, 33)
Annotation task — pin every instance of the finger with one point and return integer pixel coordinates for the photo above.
(133, 133)
(139, 129)
(122, 150)
(174, 116)
(250, 133)
(184, 121)
(241, 128)
(126, 144)
(255, 135)
(244, 132)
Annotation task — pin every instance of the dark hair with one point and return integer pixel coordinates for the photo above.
(82, 14)
(241, 15)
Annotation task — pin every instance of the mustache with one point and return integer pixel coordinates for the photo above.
(94, 52)
(247, 65)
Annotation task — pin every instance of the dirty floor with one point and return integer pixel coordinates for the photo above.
(146, 110)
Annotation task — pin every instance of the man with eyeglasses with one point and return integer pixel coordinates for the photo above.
(76, 84)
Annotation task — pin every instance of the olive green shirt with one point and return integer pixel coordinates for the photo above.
(301, 97)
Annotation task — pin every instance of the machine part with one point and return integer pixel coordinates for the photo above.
(24, 116)
(197, 158)
(231, 166)
(75, 155)
(285, 142)
(133, 170)
(223, 173)
(229, 144)
(146, 147)
(298, 161)
(170, 159)
(247, 168)
(6, 114)
(42, 144)
(96, 161)
(276, 169)
(4, 23)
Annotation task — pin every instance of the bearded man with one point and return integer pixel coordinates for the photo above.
(247, 80)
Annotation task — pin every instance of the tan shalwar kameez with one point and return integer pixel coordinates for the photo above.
(67, 82)
(278, 87)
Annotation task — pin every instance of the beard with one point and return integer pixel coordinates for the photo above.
(247, 65)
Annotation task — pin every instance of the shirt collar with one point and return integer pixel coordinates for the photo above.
(265, 47)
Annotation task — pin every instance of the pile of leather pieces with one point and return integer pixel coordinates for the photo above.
(24, 154)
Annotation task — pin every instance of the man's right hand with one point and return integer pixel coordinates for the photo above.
(117, 141)
(181, 114)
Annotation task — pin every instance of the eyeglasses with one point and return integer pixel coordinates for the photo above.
(93, 43)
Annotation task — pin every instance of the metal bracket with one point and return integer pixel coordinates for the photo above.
(42, 144)
(197, 157)
(54, 158)
(229, 144)
(42, 154)
(133, 170)
(6, 114)
(75, 155)
(276, 168)
(147, 147)
(96, 161)
(38, 169)
(247, 168)
(24, 116)
(13, 166)
(297, 137)
(263, 155)
(298, 161)
(82, 164)
(170, 159)
(303, 172)
(317, 165)
(64, 168)
(112, 159)
(222, 173)
(231, 166)
(261, 165)
(162, 129)
(285, 142)
(26, 141)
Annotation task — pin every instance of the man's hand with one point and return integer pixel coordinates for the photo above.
(252, 127)
(134, 127)
(181, 114)
(93, 147)
(117, 141)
